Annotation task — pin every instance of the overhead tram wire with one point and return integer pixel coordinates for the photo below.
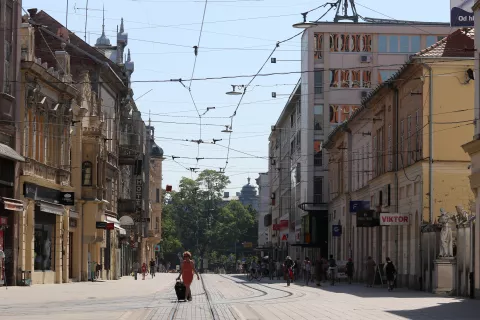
(332, 5)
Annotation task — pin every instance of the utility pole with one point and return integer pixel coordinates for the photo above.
(146, 212)
(86, 15)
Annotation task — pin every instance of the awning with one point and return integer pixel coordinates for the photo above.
(9, 153)
(12, 204)
(116, 224)
(51, 208)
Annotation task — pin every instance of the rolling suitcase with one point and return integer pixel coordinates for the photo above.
(180, 290)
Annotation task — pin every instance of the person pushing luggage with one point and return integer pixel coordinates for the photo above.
(187, 269)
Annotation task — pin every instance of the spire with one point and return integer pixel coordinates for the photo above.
(122, 30)
(103, 40)
(128, 56)
(248, 179)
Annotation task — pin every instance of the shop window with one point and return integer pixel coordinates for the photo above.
(87, 173)
(44, 247)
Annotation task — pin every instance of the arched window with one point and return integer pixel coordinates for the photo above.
(87, 173)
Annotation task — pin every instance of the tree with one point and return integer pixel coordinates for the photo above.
(170, 242)
(203, 225)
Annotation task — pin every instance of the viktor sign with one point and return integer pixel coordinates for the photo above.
(394, 219)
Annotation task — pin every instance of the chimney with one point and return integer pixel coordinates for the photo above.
(32, 12)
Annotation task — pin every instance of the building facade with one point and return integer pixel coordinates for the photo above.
(401, 154)
(11, 207)
(347, 60)
(473, 149)
(263, 210)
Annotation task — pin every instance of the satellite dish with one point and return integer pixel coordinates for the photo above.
(126, 221)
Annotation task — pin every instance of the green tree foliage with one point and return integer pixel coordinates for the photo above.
(204, 225)
(170, 242)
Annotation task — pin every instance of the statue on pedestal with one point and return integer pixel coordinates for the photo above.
(446, 238)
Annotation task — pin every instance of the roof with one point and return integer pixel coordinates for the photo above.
(458, 44)
(53, 26)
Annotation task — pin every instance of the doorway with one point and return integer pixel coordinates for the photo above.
(70, 255)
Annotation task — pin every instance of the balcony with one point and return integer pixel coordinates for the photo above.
(126, 206)
(34, 168)
(129, 153)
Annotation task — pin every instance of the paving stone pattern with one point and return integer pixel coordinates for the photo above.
(232, 298)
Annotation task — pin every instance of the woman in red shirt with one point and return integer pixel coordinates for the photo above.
(144, 270)
(187, 269)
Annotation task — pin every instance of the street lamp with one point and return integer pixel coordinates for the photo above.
(236, 93)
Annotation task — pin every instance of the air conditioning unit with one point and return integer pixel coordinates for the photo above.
(365, 59)
(364, 94)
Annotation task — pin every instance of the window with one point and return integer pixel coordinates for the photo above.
(318, 45)
(157, 195)
(390, 148)
(298, 175)
(375, 145)
(350, 42)
(87, 173)
(431, 40)
(299, 140)
(402, 137)
(318, 81)
(415, 44)
(292, 147)
(409, 138)
(292, 120)
(7, 64)
(351, 78)
(404, 44)
(393, 42)
(384, 75)
(380, 149)
(418, 136)
(318, 190)
(318, 117)
(44, 241)
(318, 156)
(382, 44)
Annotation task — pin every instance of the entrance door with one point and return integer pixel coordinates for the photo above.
(70, 255)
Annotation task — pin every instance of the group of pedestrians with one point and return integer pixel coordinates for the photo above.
(322, 270)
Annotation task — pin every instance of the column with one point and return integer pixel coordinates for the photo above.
(65, 248)
(58, 248)
(29, 236)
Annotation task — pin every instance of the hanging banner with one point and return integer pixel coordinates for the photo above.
(461, 13)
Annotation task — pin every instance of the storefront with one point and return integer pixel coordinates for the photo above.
(50, 234)
(10, 210)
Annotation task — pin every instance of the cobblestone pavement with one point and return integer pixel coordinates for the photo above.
(231, 297)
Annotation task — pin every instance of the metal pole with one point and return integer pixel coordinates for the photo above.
(86, 20)
(66, 17)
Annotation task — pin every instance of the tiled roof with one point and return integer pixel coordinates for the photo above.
(458, 44)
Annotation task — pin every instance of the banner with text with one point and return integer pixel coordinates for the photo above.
(461, 13)
(394, 219)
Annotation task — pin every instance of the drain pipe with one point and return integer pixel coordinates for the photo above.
(430, 142)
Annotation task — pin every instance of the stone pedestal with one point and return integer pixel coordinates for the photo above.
(444, 276)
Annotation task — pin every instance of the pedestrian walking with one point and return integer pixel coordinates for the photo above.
(308, 270)
(278, 267)
(144, 270)
(152, 268)
(318, 271)
(350, 270)
(136, 267)
(271, 268)
(332, 267)
(187, 269)
(296, 270)
(390, 271)
(370, 271)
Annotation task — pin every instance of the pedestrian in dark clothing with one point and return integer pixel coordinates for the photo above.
(318, 271)
(370, 271)
(391, 272)
(350, 270)
(271, 268)
(332, 267)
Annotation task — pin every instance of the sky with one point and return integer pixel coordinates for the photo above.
(236, 39)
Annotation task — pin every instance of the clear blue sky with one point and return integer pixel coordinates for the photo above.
(239, 35)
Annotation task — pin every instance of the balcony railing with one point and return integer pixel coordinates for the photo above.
(56, 175)
(128, 153)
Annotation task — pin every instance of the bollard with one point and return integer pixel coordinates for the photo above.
(472, 285)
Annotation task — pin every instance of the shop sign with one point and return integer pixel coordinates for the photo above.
(394, 219)
(36, 192)
(461, 13)
(157, 248)
(356, 206)
(101, 225)
(276, 227)
(67, 198)
(247, 245)
(283, 224)
(285, 237)
(3, 221)
(297, 236)
(336, 230)
(140, 220)
(367, 219)
(139, 192)
(110, 226)
(72, 223)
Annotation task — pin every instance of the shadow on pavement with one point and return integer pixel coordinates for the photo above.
(458, 309)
